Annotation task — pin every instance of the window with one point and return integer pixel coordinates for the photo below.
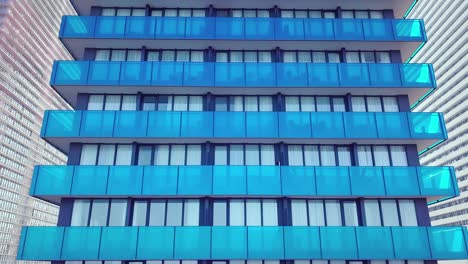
(244, 154)
(363, 14)
(180, 12)
(324, 213)
(244, 56)
(112, 102)
(173, 103)
(176, 55)
(382, 156)
(166, 213)
(117, 55)
(244, 103)
(106, 154)
(390, 213)
(374, 104)
(242, 13)
(318, 155)
(312, 56)
(99, 212)
(314, 104)
(123, 12)
(368, 57)
(169, 155)
(245, 212)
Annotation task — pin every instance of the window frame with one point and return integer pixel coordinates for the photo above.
(227, 202)
(397, 202)
(228, 154)
(153, 152)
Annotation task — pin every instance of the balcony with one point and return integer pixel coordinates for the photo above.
(51, 183)
(72, 77)
(78, 32)
(60, 128)
(214, 243)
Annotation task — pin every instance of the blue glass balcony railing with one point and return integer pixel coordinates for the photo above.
(304, 125)
(278, 243)
(53, 182)
(210, 74)
(223, 28)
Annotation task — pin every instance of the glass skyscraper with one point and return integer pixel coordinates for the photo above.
(243, 132)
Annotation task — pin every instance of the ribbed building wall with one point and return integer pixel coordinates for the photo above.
(28, 46)
(447, 49)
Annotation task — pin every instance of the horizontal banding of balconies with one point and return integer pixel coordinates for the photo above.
(72, 77)
(240, 242)
(60, 128)
(79, 32)
(51, 183)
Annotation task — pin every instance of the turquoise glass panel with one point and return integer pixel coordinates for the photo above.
(360, 125)
(52, 180)
(170, 27)
(78, 26)
(392, 125)
(297, 180)
(229, 124)
(384, 74)
(411, 242)
(292, 74)
(136, 73)
(140, 27)
(263, 180)
(259, 28)
(160, 180)
(155, 242)
(301, 242)
(192, 242)
(104, 72)
(327, 125)
(447, 243)
(332, 181)
(70, 73)
(200, 28)
(130, 124)
(125, 180)
(118, 243)
(260, 74)
(348, 29)
(364, 177)
(401, 181)
(437, 181)
(374, 242)
(377, 29)
(90, 180)
(294, 125)
(408, 29)
(265, 242)
(164, 124)
(230, 28)
(426, 125)
(167, 74)
(317, 28)
(338, 243)
(110, 27)
(289, 29)
(229, 242)
(199, 74)
(42, 243)
(354, 74)
(197, 124)
(81, 243)
(323, 75)
(97, 124)
(417, 75)
(229, 180)
(230, 74)
(261, 124)
(195, 180)
(61, 123)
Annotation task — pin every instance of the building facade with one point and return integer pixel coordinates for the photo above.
(28, 48)
(445, 50)
(258, 132)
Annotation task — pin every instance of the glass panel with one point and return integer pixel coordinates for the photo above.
(292, 104)
(365, 156)
(252, 156)
(350, 213)
(381, 156)
(118, 213)
(358, 104)
(323, 104)
(139, 213)
(372, 213)
(333, 213)
(311, 156)
(95, 102)
(124, 155)
(327, 156)
(267, 155)
(99, 213)
(295, 155)
(106, 155)
(254, 217)
(191, 213)
(88, 154)
(344, 156)
(174, 213)
(236, 155)
(129, 102)
(389, 213)
(220, 155)
(398, 154)
(144, 155)
(236, 213)
(374, 104)
(161, 155)
(299, 213)
(178, 155)
(408, 213)
(316, 213)
(80, 213)
(157, 213)
(219, 214)
(270, 213)
(193, 155)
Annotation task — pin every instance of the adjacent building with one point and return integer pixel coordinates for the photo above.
(243, 132)
(28, 47)
(446, 49)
